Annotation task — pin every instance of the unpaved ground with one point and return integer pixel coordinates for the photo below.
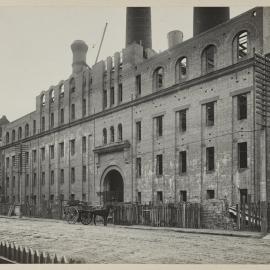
(112, 244)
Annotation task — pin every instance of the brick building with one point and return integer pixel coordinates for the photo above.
(144, 126)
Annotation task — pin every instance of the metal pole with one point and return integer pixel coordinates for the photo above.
(101, 42)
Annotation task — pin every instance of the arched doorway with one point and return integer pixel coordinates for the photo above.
(113, 187)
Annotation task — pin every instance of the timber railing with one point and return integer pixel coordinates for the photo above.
(12, 253)
(181, 215)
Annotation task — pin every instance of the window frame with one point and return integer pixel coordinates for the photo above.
(210, 109)
(242, 155)
(210, 159)
(159, 165)
(242, 107)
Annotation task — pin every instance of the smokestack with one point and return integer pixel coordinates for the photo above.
(79, 50)
(205, 18)
(174, 38)
(138, 26)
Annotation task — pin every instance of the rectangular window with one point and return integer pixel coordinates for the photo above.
(159, 125)
(72, 147)
(112, 96)
(52, 120)
(182, 120)
(159, 196)
(138, 167)
(51, 197)
(84, 107)
(34, 127)
(34, 155)
(242, 155)
(243, 196)
(7, 162)
(84, 197)
(120, 93)
(182, 162)
(84, 144)
(13, 161)
(84, 173)
(43, 178)
(26, 158)
(210, 115)
(138, 86)
(72, 175)
(72, 111)
(242, 106)
(42, 153)
(183, 195)
(210, 158)
(42, 123)
(210, 194)
(27, 180)
(139, 197)
(62, 117)
(62, 151)
(52, 151)
(52, 177)
(13, 181)
(104, 99)
(139, 131)
(34, 183)
(62, 176)
(159, 166)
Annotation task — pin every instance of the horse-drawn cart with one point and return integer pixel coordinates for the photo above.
(78, 211)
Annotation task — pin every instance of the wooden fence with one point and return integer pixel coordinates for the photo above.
(12, 253)
(47, 209)
(253, 216)
(184, 215)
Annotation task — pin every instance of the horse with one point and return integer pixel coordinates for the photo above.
(104, 213)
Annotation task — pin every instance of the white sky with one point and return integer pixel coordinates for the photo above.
(35, 44)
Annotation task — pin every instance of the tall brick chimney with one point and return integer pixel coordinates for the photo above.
(205, 18)
(138, 26)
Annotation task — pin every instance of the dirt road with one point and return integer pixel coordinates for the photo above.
(112, 244)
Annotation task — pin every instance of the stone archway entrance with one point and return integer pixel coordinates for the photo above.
(113, 187)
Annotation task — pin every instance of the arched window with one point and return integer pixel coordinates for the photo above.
(72, 85)
(7, 137)
(120, 133)
(62, 90)
(112, 134)
(208, 59)
(19, 133)
(26, 130)
(13, 135)
(181, 69)
(240, 46)
(104, 136)
(158, 78)
(43, 100)
(52, 96)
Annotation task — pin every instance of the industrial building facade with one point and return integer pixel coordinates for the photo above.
(181, 125)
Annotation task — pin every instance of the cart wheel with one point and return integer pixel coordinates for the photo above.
(72, 215)
(86, 219)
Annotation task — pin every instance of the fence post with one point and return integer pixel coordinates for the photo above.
(264, 217)
(238, 216)
(36, 257)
